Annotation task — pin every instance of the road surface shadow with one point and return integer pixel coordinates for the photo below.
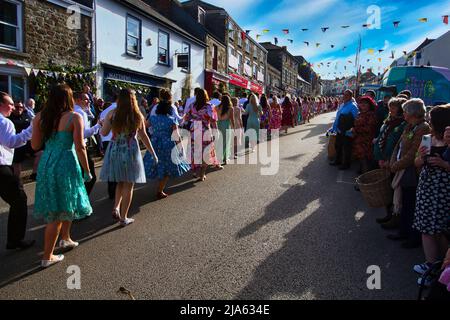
(333, 242)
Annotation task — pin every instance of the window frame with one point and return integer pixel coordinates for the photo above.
(130, 53)
(201, 11)
(19, 27)
(183, 43)
(167, 64)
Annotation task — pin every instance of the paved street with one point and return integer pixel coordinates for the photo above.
(303, 233)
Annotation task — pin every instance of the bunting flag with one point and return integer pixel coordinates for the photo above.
(325, 29)
(405, 53)
(366, 25)
(345, 27)
(343, 49)
(276, 40)
(306, 42)
(345, 67)
(370, 51)
(379, 59)
(317, 45)
(380, 51)
(368, 60)
(349, 61)
(445, 19)
(423, 20)
(392, 54)
(290, 40)
(248, 32)
(258, 36)
(396, 23)
(286, 31)
(35, 72)
(305, 29)
(332, 46)
(266, 31)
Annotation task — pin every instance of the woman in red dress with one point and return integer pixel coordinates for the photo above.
(275, 120)
(364, 132)
(288, 114)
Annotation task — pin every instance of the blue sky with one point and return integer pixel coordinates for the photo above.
(294, 15)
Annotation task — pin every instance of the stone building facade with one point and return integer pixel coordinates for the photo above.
(273, 83)
(43, 39)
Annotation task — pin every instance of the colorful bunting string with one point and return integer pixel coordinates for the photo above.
(286, 31)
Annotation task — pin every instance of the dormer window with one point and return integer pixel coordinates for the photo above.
(201, 15)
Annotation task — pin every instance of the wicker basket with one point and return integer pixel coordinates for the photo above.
(331, 147)
(376, 188)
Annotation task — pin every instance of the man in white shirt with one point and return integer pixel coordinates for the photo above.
(29, 107)
(105, 142)
(11, 189)
(81, 105)
(215, 102)
(191, 101)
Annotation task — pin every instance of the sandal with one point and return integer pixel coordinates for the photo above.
(116, 214)
(126, 222)
(161, 195)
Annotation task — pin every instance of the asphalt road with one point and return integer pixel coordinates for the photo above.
(303, 233)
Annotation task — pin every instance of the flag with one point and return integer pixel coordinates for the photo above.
(306, 42)
(366, 25)
(392, 54)
(258, 36)
(317, 45)
(332, 46)
(266, 30)
(396, 23)
(405, 53)
(345, 67)
(276, 40)
(286, 31)
(305, 29)
(247, 32)
(349, 61)
(290, 40)
(379, 59)
(325, 29)
(368, 60)
(445, 19)
(370, 51)
(380, 51)
(423, 20)
(345, 27)
(243, 35)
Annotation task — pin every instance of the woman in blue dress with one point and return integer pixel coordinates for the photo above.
(60, 193)
(254, 112)
(123, 160)
(172, 162)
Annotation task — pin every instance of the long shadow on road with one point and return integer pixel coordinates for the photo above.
(332, 243)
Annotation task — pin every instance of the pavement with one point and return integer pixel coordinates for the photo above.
(303, 233)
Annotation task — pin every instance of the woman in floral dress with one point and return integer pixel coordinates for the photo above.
(203, 118)
(275, 121)
(288, 114)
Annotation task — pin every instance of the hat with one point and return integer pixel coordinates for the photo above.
(369, 100)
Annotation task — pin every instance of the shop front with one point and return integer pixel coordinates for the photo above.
(113, 78)
(240, 85)
(215, 81)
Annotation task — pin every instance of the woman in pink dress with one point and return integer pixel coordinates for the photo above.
(203, 118)
(275, 120)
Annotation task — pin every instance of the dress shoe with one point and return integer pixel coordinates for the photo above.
(335, 163)
(409, 244)
(22, 244)
(384, 220)
(396, 237)
(394, 223)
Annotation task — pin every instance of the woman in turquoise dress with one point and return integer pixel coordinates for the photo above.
(172, 162)
(225, 124)
(254, 112)
(60, 193)
(123, 160)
